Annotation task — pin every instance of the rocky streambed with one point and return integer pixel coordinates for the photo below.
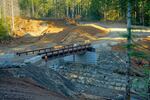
(102, 79)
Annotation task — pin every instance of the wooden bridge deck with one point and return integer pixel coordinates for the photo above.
(36, 51)
(63, 51)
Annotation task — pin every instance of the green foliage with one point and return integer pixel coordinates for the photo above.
(112, 10)
(39, 7)
(147, 12)
(112, 15)
(132, 46)
(95, 9)
(24, 4)
(145, 81)
(3, 30)
(25, 7)
(141, 84)
(141, 12)
(138, 54)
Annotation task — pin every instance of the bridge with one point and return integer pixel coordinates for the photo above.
(52, 53)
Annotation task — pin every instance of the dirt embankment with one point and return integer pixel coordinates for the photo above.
(36, 28)
(34, 83)
(25, 89)
(31, 31)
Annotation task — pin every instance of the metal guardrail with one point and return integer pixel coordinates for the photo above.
(57, 52)
(66, 51)
(33, 51)
(36, 51)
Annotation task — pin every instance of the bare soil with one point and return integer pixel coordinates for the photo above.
(25, 89)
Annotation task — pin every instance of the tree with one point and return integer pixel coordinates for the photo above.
(111, 10)
(32, 3)
(12, 16)
(128, 86)
(3, 28)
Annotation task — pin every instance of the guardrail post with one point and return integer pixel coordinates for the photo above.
(46, 59)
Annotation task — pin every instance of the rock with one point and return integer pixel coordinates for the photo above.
(9, 64)
(118, 84)
(92, 97)
(81, 78)
(119, 97)
(33, 59)
(113, 83)
(111, 87)
(117, 88)
(123, 88)
(74, 76)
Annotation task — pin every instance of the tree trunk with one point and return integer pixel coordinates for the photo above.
(4, 11)
(78, 9)
(12, 15)
(149, 91)
(56, 9)
(32, 4)
(143, 13)
(0, 12)
(73, 9)
(136, 12)
(67, 11)
(128, 85)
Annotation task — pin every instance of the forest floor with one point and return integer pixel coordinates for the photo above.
(89, 80)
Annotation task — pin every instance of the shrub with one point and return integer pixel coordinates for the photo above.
(3, 31)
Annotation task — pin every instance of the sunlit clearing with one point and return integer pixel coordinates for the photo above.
(54, 30)
(98, 27)
(125, 30)
(118, 29)
(109, 38)
(142, 30)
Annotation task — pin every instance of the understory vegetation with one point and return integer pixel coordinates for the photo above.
(4, 32)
